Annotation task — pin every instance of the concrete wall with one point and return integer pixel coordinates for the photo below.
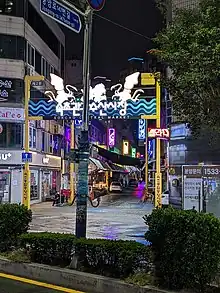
(72, 279)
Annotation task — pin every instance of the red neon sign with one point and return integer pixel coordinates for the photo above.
(162, 133)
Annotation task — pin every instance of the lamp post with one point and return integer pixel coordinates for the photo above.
(148, 79)
(26, 173)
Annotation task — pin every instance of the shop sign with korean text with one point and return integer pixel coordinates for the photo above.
(192, 188)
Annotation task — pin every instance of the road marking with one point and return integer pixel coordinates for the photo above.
(40, 284)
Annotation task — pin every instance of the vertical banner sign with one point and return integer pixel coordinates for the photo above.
(25, 188)
(142, 129)
(192, 188)
(133, 152)
(158, 189)
(125, 147)
(111, 137)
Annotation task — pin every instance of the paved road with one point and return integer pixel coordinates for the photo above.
(119, 216)
(9, 285)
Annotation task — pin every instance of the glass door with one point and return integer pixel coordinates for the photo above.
(4, 186)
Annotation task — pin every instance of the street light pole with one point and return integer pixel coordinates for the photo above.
(26, 199)
(82, 191)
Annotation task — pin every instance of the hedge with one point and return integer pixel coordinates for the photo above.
(105, 257)
(53, 249)
(185, 247)
(14, 220)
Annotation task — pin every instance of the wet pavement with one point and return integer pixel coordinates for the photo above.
(119, 216)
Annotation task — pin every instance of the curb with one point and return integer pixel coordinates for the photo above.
(71, 279)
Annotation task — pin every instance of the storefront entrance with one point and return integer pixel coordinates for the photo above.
(50, 183)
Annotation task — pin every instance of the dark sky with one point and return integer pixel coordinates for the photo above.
(113, 45)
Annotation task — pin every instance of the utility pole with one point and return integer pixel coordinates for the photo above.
(82, 191)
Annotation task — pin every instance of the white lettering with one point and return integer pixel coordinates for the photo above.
(6, 156)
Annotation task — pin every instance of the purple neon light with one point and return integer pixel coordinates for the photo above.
(111, 137)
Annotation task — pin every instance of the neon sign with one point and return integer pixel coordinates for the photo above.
(150, 149)
(142, 129)
(133, 152)
(125, 147)
(5, 87)
(67, 101)
(111, 137)
(158, 133)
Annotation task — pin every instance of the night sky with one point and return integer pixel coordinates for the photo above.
(113, 45)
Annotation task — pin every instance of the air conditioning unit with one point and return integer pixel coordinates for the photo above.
(30, 70)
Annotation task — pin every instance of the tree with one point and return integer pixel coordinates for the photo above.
(190, 46)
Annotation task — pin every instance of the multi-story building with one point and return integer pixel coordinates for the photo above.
(30, 44)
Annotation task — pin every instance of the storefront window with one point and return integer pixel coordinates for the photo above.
(32, 138)
(34, 185)
(4, 186)
(11, 47)
(11, 135)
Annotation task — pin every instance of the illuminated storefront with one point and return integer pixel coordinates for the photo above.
(45, 174)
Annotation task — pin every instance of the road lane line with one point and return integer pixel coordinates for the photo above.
(39, 284)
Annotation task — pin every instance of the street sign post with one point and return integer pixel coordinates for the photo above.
(26, 157)
(61, 14)
(96, 4)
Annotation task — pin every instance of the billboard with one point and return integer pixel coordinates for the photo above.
(118, 102)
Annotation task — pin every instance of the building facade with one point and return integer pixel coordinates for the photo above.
(30, 44)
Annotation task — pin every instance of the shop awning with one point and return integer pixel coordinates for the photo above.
(98, 164)
(118, 159)
(131, 169)
(116, 168)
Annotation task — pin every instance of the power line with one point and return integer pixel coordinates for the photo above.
(124, 27)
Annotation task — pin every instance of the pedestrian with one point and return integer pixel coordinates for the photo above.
(56, 198)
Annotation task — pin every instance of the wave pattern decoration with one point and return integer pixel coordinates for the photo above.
(134, 109)
(42, 108)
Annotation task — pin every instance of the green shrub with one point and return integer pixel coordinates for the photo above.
(185, 246)
(54, 249)
(105, 257)
(111, 258)
(14, 221)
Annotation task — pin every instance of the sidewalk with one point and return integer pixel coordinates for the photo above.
(111, 220)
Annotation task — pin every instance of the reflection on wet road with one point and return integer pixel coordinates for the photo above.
(119, 216)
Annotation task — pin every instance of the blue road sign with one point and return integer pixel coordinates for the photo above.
(96, 4)
(26, 157)
(61, 14)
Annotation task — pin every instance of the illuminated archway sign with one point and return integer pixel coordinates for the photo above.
(67, 101)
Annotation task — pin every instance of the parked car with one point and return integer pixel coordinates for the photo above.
(133, 182)
(165, 198)
(115, 186)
